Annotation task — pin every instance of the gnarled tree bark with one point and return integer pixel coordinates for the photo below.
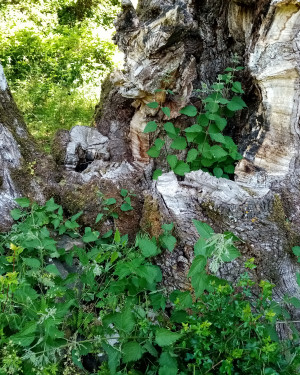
(176, 45)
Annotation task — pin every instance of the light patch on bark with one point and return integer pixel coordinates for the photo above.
(275, 65)
(3, 82)
(139, 140)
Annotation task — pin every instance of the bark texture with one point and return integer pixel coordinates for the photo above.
(176, 45)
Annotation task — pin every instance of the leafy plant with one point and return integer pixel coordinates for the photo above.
(103, 299)
(202, 145)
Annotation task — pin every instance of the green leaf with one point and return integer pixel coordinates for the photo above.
(189, 110)
(153, 105)
(23, 202)
(200, 282)
(182, 299)
(150, 127)
(110, 201)
(124, 193)
(32, 262)
(124, 320)
(51, 205)
(181, 168)
(172, 160)
(147, 247)
(192, 155)
(99, 217)
(168, 227)
(167, 360)
(229, 169)
(159, 143)
(236, 104)
(126, 207)
(218, 152)
(298, 278)
(203, 229)
(296, 250)
(295, 302)
(231, 254)
(156, 174)
(51, 268)
(168, 242)
(166, 111)
(203, 119)
(132, 351)
(218, 172)
(26, 336)
(150, 349)
(165, 370)
(164, 337)
(198, 265)
(237, 87)
(212, 107)
(179, 143)
(90, 236)
(114, 357)
(217, 137)
(117, 236)
(158, 301)
(153, 152)
(16, 214)
(171, 130)
(200, 247)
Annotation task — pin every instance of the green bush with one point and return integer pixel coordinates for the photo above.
(110, 306)
(55, 68)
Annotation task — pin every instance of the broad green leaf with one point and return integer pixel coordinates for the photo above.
(90, 236)
(123, 193)
(198, 265)
(181, 168)
(51, 205)
(158, 301)
(114, 357)
(165, 370)
(164, 337)
(172, 160)
(212, 107)
(124, 320)
(189, 110)
(200, 247)
(192, 155)
(150, 272)
(76, 216)
(159, 143)
(236, 104)
(295, 302)
(231, 254)
(296, 250)
(51, 268)
(26, 336)
(76, 358)
(32, 262)
(16, 214)
(23, 202)
(179, 143)
(110, 201)
(150, 349)
(153, 152)
(168, 227)
(218, 172)
(99, 217)
(218, 152)
(117, 236)
(203, 229)
(171, 130)
(217, 137)
(229, 169)
(166, 111)
(200, 282)
(169, 363)
(150, 127)
(168, 242)
(156, 174)
(237, 87)
(203, 119)
(147, 247)
(126, 207)
(153, 105)
(298, 278)
(192, 132)
(132, 351)
(182, 299)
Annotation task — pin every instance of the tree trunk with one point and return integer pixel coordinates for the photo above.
(176, 45)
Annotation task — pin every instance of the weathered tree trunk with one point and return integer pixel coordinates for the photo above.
(177, 44)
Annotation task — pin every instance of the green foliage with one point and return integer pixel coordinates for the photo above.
(111, 300)
(55, 67)
(208, 149)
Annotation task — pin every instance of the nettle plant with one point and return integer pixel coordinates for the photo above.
(100, 307)
(207, 148)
